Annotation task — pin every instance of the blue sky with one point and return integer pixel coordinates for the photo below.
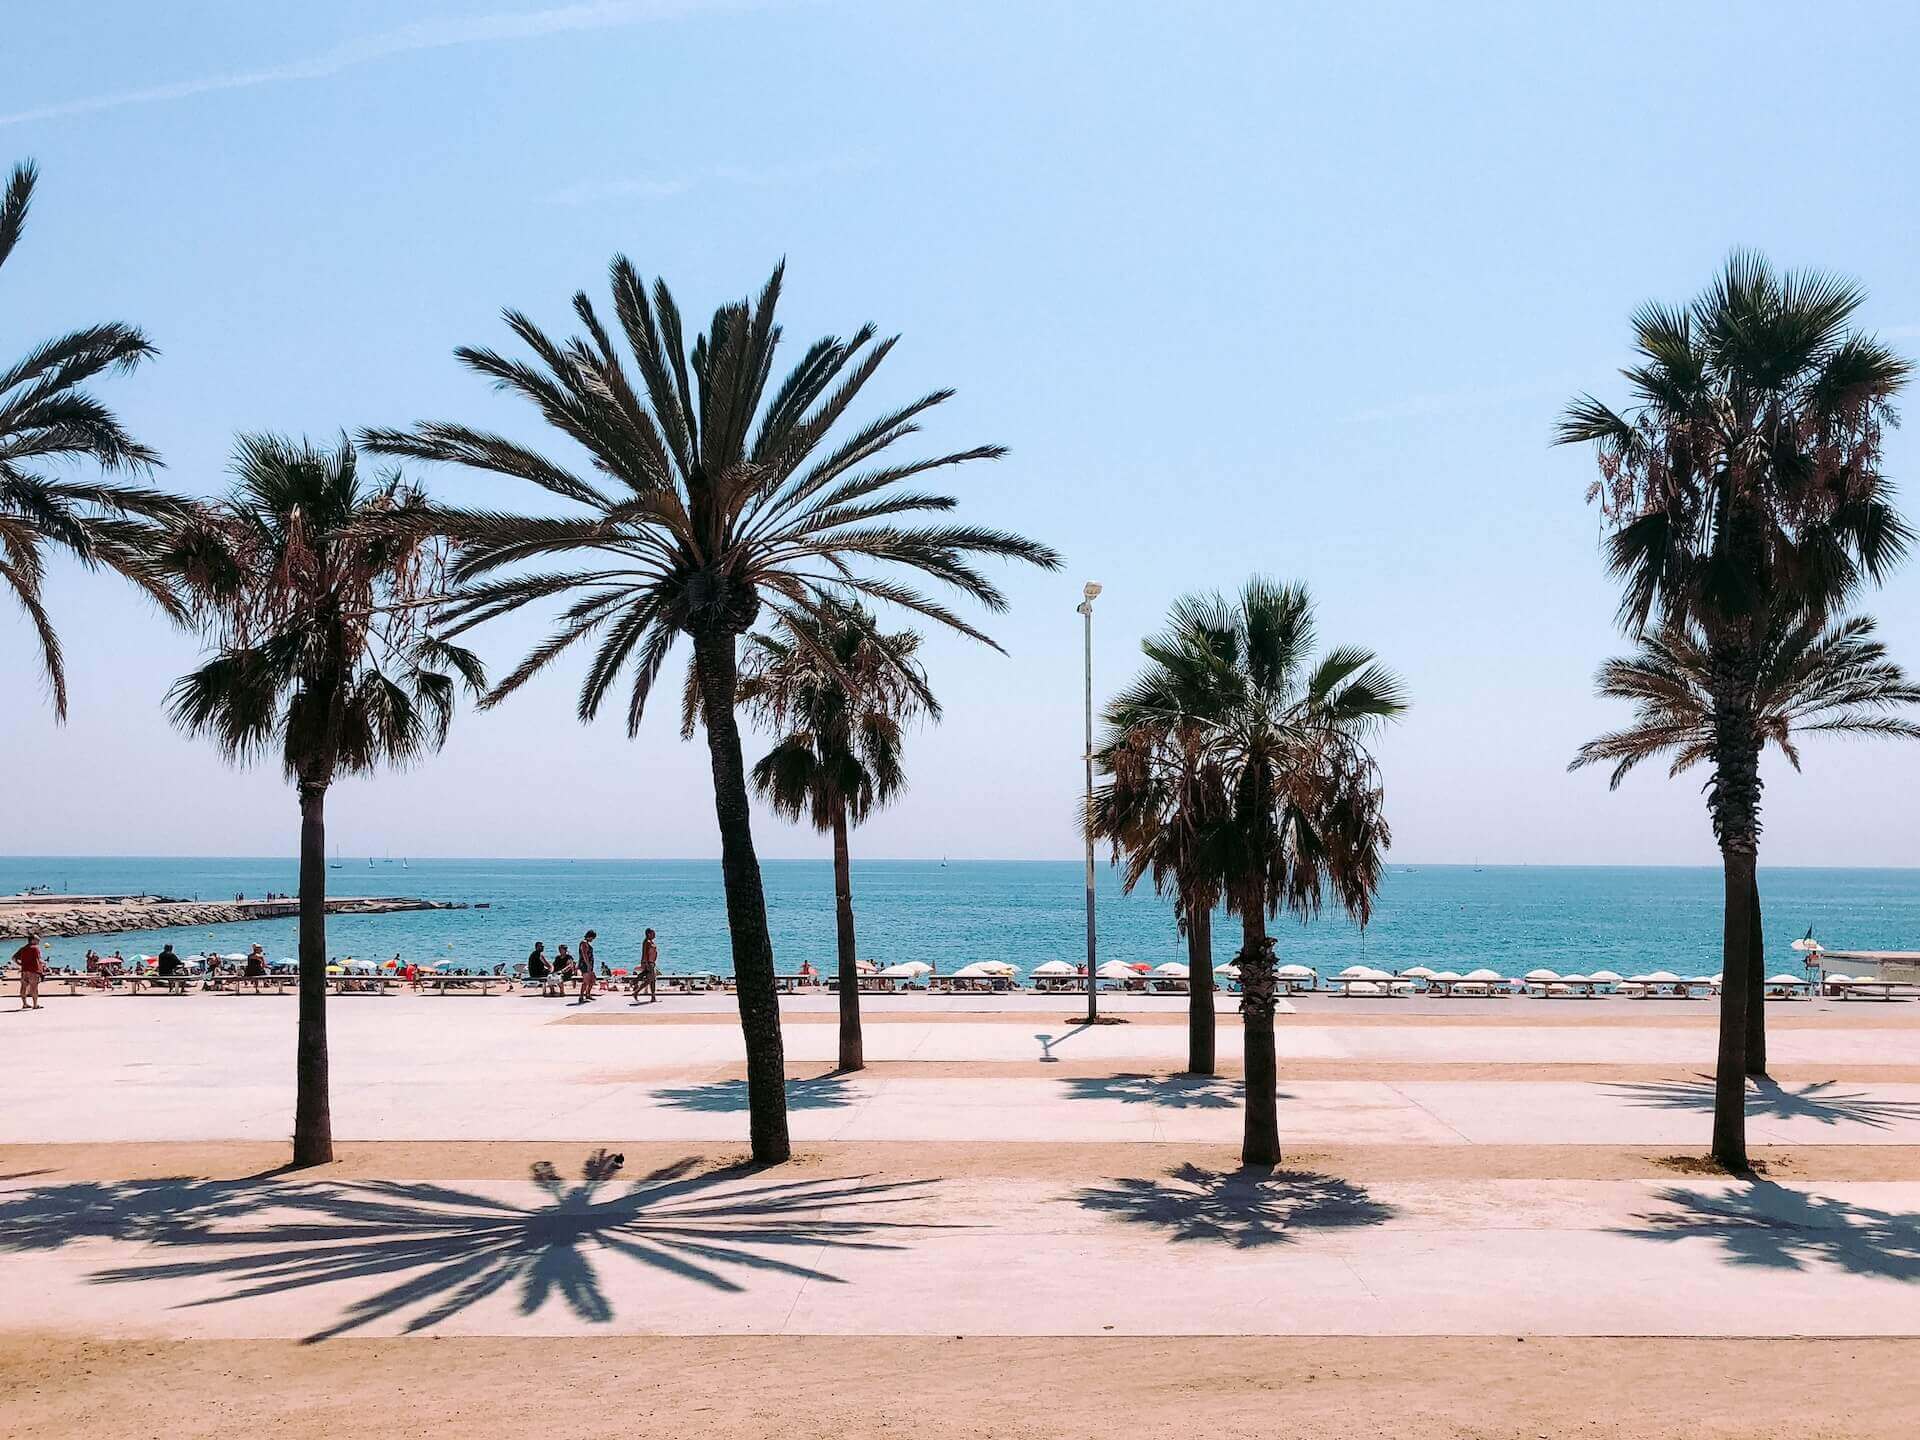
(1245, 287)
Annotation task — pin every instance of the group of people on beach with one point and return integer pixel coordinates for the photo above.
(584, 968)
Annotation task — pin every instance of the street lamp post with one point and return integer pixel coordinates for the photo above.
(1090, 593)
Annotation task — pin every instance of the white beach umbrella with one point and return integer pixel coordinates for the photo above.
(1786, 980)
(977, 971)
(1547, 975)
(1447, 976)
(906, 970)
(865, 967)
(1416, 972)
(1839, 980)
(1115, 970)
(1576, 979)
(1054, 967)
(1173, 969)
(1355, 972)
(1481, 976)
(1285, 972)
(1233, 971)
(996, 967)
(1806, 943)
(1368, 973)
(1699, 980)
(1604, 977)
(1661, 977)
(1363, 987)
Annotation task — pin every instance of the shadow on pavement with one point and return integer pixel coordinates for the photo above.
(1816, 1101)
(1176, 1092)
(823, 1092)
(436, 1250)
(1242, 1208)
(1762, 1223)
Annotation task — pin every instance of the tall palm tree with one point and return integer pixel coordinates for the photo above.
(839, 693)
(1286, 734)
(1742, 487)
(47, 419)
(316, 586)
(1816, 678)
(1163, 805)
(704, 499)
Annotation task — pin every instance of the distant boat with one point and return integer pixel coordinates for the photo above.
(369, 862)
(336, 859)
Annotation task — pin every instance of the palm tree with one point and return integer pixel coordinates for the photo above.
(1282, 737)
(1742, 489)
(1163, 805)
(317, 586)
(839, 693)
(48, 418)
(705, 499)
(1815, 679)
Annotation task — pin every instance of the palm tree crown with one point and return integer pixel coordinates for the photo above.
(839, 694)
(1745, 479)
(707, 496)
(1815, 678)
(316, 585)
(47, 417)
(1289, 737)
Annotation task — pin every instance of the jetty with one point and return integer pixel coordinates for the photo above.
(39, 913)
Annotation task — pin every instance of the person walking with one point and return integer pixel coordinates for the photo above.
(649, 972)
(589, 971)
(32, 965)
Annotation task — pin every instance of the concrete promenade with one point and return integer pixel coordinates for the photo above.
(1526, 1171)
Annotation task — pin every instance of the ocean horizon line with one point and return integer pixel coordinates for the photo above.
(352, 859)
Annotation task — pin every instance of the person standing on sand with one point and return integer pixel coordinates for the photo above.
(649, 972)
(32, 963)
(589, 972)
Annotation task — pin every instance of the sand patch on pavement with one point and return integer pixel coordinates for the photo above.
(781, 1388)
(912, 1160)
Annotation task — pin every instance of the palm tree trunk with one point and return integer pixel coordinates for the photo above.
(852, 1052)
(1734, 799)
(1756, 989)
(1730, 1071)
(717, 673)
(1200, 1057)
(1261, 1143)
(312, 1111)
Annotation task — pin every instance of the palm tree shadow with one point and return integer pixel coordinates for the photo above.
(1242, 1208)
(821, 1092)
(1176, 1092)
(1767, 1098)
(436, 1250)
(1763, 1223)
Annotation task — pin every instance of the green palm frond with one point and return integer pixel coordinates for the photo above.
(319, 587)
(48, 421)
(1815, 678)
(839, 693)
(708, 490)
(1236, 762)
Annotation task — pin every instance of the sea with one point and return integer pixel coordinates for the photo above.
(1510, 918)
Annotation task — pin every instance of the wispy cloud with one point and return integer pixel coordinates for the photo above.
(366, 49)
(657, 187)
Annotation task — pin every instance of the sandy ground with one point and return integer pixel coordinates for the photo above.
(919, 1161)
(776, 1388)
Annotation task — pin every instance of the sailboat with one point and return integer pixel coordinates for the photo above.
(336, 859)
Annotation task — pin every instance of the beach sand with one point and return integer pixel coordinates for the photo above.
(779, 1388)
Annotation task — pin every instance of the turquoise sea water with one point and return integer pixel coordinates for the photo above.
(1510, 918)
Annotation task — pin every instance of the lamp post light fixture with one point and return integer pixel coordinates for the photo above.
(1090, 592)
